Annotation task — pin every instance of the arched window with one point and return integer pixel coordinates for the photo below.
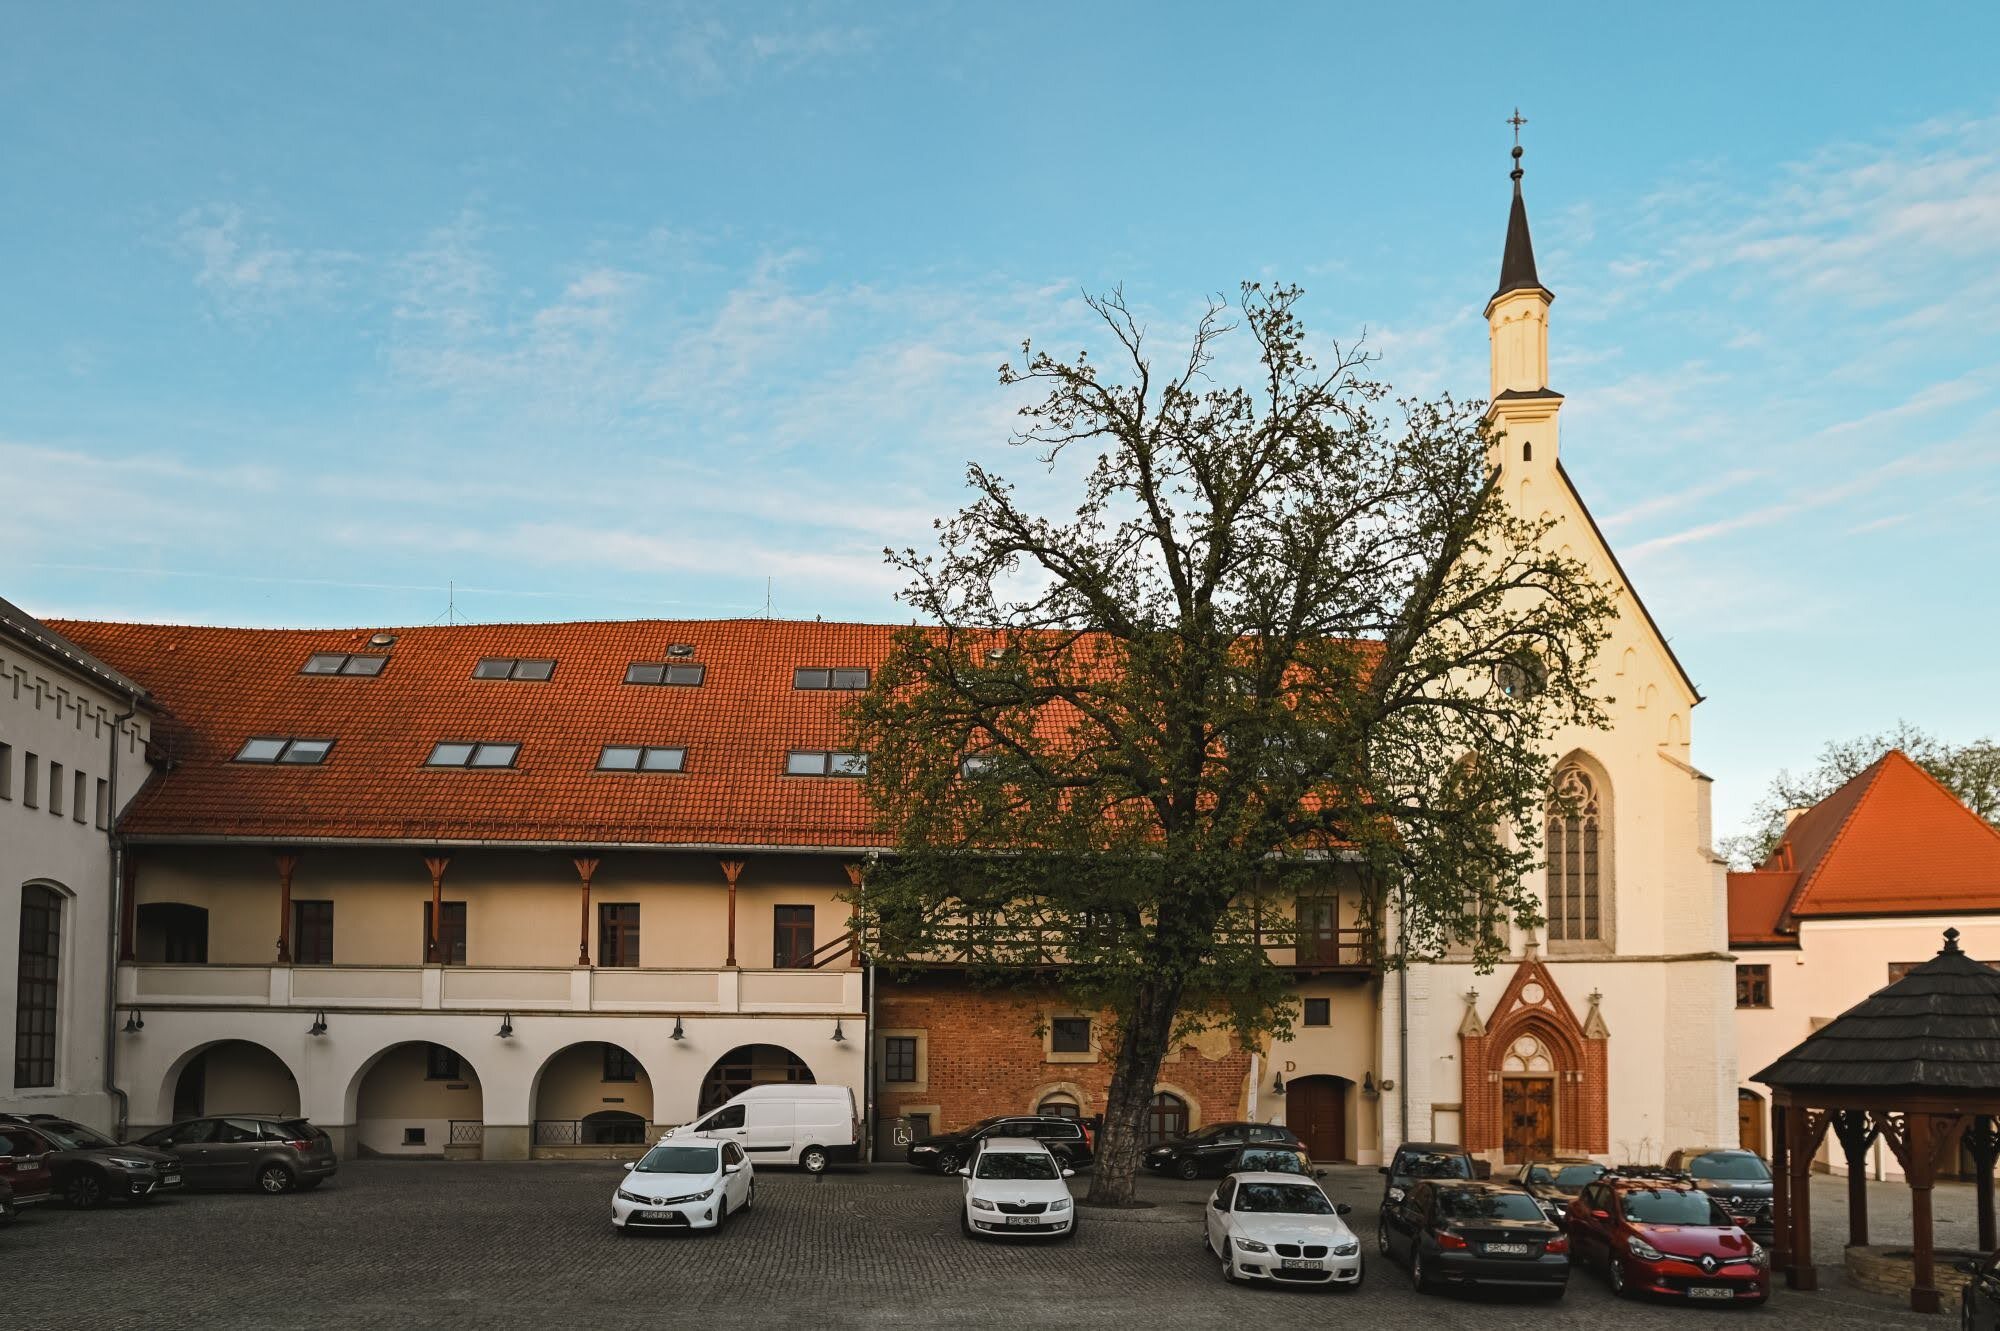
(1167, 1119)
(37, 985)
(1576, 891)
(1059, 1105)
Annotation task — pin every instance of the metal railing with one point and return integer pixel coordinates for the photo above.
(586, 1132)
(558, 1132)
(467, 1132)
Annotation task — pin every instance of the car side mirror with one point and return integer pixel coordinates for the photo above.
(732, 1169)
(966, 1172)
(1601, 1215)
(1069, 1173)
(631, 1165)
(1319, 1173)
(1341, 1208)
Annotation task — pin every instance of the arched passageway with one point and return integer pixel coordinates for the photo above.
(418, 1098)
(751, 1065)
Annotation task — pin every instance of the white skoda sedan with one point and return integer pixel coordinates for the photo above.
(1014, 1187)
(684, 1183)
(1282, 1228)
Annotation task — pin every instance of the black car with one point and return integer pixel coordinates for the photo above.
(91, 1168)
(1471, 1233)
(1979, 1305)
(1740, 1180)
(273, 1153)
(6, 1202)
(1209, 1151)
(1555, 1183)
(1415, 1161)
(946, 1151)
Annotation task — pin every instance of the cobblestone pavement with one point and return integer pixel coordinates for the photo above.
(529, 1245)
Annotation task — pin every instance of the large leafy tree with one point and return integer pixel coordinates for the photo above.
(1289, 632)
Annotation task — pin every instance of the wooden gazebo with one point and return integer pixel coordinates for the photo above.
(1916, 1064)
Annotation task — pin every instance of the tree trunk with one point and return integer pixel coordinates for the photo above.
(1142, 1045)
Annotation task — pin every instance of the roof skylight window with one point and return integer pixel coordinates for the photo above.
(343, 663)
(451, 753)
(815, 678)
(275, 749)
(641, 758)
(508, 667)
(816, 762)
(659, 672)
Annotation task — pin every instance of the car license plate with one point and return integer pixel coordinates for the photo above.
(1024, 1220)
(1509, 1249)
(169, 1180)
(656, 1215)
(24, 1167)
(1301, 1264)
(1710, 1292)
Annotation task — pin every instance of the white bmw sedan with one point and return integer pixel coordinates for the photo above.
(684, 1184)
(1281, 1227)
(1013, 1187)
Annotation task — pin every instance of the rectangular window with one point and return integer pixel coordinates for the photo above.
(899, 1058)
(508, 667)
(818, 762)
(1753, 986)
(36, 986)
(78, 810)
(637, 758)
(920, 1125)
(618, 933)
(343, 663)
(793, 937)
(1069, 1035)
(816, 678)
(297, 752)
(441, 1064)
(1318, 1011)
(414, 1136)
(56, 789)
(6, 771)
(312, 933)
(452, 753)
(658, 672)
(619, 1065)
(31, 781)
(451, 933)
(103, 804)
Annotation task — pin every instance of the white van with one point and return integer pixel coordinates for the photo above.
(788, 1124)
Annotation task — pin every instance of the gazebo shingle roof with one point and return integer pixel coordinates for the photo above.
(1936, 1030)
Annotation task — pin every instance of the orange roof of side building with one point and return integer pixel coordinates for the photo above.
(1892, 841)
(220, 686)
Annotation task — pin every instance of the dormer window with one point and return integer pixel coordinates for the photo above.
(818, 762)
(453, 753)
(977, 766)
(663, 672)
(344, 663)
(641, 758)
(293, 752)
(830, 678)
(508, 667)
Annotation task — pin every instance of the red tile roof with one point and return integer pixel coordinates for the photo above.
(220, 686)
(1756, 902)
(1892, 841)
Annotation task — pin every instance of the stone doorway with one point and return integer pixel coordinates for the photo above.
(1528, 1118)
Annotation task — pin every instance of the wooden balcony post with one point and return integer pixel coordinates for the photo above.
(286, 864)
(585, 869)
(437, 864)
(732, 870)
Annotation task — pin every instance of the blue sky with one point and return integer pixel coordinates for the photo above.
(613, 311)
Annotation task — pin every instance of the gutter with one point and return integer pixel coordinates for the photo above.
(111, 940)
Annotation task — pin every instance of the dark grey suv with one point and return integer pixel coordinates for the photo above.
(91, 1168)
(270, 1152)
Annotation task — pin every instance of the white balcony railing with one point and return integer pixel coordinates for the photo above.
(515, 989)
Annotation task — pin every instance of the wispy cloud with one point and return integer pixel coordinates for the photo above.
(245, 273)
(700, 55)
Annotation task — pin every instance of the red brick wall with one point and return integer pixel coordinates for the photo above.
(986, 1055)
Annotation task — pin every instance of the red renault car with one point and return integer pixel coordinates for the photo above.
(1655, 1232)
(24, 1161)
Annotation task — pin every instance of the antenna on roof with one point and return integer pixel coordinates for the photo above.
(450, 602)
(767, 598)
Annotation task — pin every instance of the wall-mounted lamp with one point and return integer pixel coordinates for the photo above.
(679, 1033)
(135, 1021)
(839, 1036)
(506, 1031)
(319, 1024)
(1368, 1083)
(1278, 1084)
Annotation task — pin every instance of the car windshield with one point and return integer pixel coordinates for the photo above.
(1565, 1176)
(1275, 1160)
(74, 1136)
(1016, 1165)
(679, 1160)
(1669, 1206)
(1464, 1204)
(1436, 1166)
(1282, 1199)
(1737, 1166)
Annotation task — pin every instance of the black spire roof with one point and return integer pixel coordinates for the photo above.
(1517, 263)
(1935, 1030)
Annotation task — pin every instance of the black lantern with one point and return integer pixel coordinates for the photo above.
(506, 1031)
(135, 1021)
(679, 1033)
(839, 1036)
(319, 1024)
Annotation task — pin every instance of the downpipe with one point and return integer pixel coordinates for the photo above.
(114, 897)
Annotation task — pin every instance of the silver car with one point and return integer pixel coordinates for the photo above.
(273, 1153)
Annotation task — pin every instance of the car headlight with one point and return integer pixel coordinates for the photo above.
(128, 1162)
(701, 1196)
(625, 1196)
(923, 1150)
(1346, 1249)
(1161, 1152)
(1397, 1194)
(1641, 1249)
(1251, 1245)
(1060, 1204)
(981, 1204)
(1759, 1256)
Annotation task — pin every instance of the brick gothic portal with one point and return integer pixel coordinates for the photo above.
(1535, 1077)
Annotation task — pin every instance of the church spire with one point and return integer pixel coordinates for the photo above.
(1517, 261)
(1523, 406)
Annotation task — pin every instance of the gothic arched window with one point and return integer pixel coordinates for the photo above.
(1577, 895)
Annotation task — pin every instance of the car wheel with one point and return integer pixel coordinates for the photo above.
(965, 1224)
(1189, 1168)
(1382, 1237)
(1616, 1270)
(813, 1160)
(945, 1164)
(1420, 1279)
(83, 1189)
(749, 1195)
(721, 1216)
(1228, 1262)
(273, 1179)
(1069, 1233)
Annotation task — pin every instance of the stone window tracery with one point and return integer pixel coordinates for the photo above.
(1577, 892)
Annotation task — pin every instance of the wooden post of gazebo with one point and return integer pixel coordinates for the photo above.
(1852, 1128)
(1982, 1142)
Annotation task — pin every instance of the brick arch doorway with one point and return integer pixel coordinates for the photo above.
(1316, 1111)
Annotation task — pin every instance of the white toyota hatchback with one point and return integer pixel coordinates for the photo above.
(1015, 1187)
(684, 1183)
(1281, 1227)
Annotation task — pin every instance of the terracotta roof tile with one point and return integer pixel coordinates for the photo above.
(1756, 904)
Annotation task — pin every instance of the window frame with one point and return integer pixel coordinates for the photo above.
(667, 671)
(788, 924)
(1325, 1009)
(38, 987)
(473, 749)
(452, 928)
(321, 930)
(642, 758)
(618, 924)
(442, 1063)
(1063, 1034)
(286, 745)
(513, 667)
(899, 1053)
(829, 679)
(1751, 977)
(346, 662)
(830, 764)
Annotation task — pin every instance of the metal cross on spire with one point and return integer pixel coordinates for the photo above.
(1517, 120)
